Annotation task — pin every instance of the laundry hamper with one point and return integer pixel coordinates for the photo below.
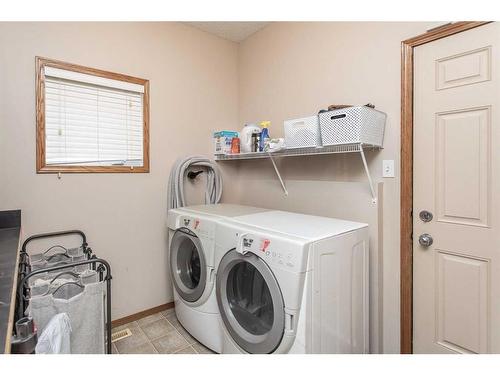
(70, 282)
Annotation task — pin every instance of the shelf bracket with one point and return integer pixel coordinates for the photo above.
(370, 182)
(278, 173)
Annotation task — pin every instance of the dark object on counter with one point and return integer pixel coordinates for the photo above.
(26, 338)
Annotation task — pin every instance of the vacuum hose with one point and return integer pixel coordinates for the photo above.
(213, 190)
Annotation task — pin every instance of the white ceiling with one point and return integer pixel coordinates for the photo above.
(234, 31)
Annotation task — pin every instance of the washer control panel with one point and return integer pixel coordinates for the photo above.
(197, 225)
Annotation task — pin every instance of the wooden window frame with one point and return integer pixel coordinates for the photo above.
(406, 250)
(41, 166)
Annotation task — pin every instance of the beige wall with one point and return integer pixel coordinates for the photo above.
(289, 70)
(200, 83)
(193, 79)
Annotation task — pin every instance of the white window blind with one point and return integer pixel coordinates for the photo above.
(91, 120)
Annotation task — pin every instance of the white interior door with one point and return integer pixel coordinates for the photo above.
(456, 278)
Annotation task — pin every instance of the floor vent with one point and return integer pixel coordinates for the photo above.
(121, 334)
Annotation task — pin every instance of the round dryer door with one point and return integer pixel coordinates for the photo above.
(250, 302)
(188, 265)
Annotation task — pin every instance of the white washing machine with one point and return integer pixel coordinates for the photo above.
(191, 265)
(292, 283)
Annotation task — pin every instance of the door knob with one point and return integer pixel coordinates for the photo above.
(425, 240)
(425, 216)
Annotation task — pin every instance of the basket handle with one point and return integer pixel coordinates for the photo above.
(65, 253)
(336, 117)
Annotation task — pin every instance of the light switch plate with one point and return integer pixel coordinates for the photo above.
(388, 168)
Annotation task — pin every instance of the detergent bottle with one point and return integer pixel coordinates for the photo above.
(264, 135)
(246, 143)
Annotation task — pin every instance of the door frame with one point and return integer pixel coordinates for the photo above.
(406, 250)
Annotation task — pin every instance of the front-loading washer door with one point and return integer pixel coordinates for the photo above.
(250, 302)
(188, 265)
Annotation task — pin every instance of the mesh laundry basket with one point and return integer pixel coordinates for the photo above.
(352, 125)
(302, 132)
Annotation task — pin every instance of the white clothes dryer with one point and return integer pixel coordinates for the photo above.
(292, 283)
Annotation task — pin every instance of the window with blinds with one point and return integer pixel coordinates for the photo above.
(92, 120)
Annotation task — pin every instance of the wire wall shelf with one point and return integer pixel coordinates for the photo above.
(306, 151)
(359, 148)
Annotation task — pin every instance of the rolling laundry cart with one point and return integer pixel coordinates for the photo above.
(73, 281)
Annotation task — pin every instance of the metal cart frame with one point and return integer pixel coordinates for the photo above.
(96, 263)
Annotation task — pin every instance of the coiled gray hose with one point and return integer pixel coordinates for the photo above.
(213, 190)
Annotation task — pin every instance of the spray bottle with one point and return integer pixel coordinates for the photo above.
(264, 135)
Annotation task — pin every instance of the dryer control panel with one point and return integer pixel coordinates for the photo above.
(277, 252)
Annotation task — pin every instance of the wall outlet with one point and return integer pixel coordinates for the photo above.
(388, 168)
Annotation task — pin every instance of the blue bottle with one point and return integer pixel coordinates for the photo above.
(264, 135)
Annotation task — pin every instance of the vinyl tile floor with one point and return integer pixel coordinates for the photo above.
(159, 333)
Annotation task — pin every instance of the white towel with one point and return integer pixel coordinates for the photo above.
(56, 336)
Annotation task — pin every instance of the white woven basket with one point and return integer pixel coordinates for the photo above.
(302, 132)
(352, 125)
